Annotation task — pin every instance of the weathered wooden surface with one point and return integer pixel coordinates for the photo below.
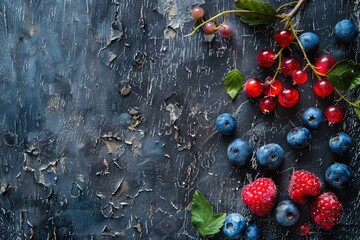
(79, 160)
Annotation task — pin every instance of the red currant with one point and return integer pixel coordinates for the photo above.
(225, 30)
(303, 229)
(323, 88)
(197, 13)
(283, 37)
(288, 65)
(288, 97)
(333, 114)
(209, 28)
(267, 105)
(324, 63)
(253, 87)
(266, 58)
(299, 76)
(272, 87)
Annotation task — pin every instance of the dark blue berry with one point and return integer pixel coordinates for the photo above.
(312, 117)
(226, 123)
(338, 176)
(270, 156)
(239, 152)
(340, 142)
(252, 232)
(299, 137)
(287, 213)
(346, 31)
(234, 226)
(310, 41)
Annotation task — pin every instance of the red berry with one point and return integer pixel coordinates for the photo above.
(283, 37)
(288, 65)
(197, 13)
(334, 114)
(253, 87)
(299, 76)
(303, 229)
(225, 30)
(288, 97)
(323, 88)
(266, 58)
(324, 63)
(272, 87)
(267, 105)
(326, 211)
(209, 28)
(303, 183)
(260, 196)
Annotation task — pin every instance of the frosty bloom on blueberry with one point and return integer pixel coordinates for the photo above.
(340, 142)
(309, 40)
(338, 176)
(239, 152)
(226, 123)
(312, 117)
(346, 30)
(270, 156)
(252, 232)
(299, 137)
(287, 213)
(234, 226)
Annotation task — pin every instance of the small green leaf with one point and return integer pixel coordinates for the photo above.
(357, 109)
(202, 216)
(233, 82)
(261, 12)
(345, 75)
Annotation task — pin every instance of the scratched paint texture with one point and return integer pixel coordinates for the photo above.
(107, 115)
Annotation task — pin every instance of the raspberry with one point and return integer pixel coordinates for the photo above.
(326, 211)
(260, 196)
(303, 183)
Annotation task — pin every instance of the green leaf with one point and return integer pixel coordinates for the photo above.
(261, 12)
(233, 82)
(202, 216)
(345, 75)
(357, 109)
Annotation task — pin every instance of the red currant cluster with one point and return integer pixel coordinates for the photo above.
(224, 30)
(288, 97)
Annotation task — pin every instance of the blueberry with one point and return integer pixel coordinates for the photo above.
(252, 232)
(310, 41)
(340, 142)
(226, 123)
(346, 31)
(287, 213)
(239, 152)
(270, 156)
(234, 226)
(299, 137)
(338, 176)
(312, 117)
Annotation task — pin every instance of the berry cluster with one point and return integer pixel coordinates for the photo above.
(225, 30)
(260, 195)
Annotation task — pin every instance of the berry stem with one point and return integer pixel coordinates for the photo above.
(278, 55)
(285, 5)
(227, 12)
(342, 97)
(293, 12)
(318, 75)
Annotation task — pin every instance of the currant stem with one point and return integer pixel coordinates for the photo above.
(342, 97)
(293, 12)
(227, 12)
(278, 55)
(285, 5)
(303, 51)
